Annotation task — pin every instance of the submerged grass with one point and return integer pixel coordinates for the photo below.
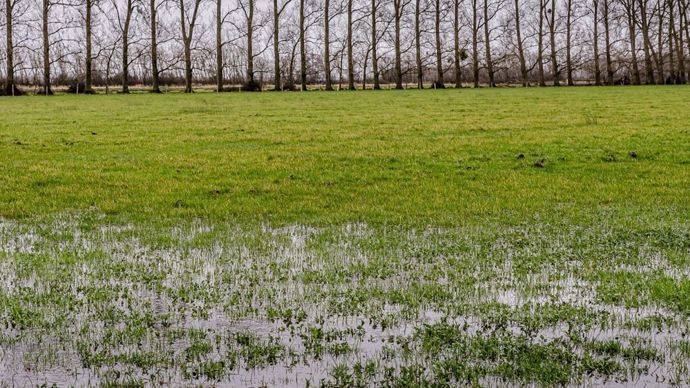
(350, 305)
(433, 238)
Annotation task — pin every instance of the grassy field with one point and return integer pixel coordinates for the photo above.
(397, 238)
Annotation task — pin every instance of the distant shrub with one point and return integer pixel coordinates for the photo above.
(438, 85)
(79, 88)
(11, 90)
(251, 86)
(290, 86)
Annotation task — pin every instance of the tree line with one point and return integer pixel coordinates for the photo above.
(344, 44)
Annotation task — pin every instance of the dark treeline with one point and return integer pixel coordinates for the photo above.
(344, 44)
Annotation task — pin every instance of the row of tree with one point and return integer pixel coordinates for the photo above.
(293, 44)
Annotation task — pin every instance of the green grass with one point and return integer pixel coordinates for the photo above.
(434, 157)
(399, 239)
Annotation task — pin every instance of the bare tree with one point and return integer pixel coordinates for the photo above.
(125, 27)
(475, 42)
(350, 59)
(248, 7)
(568, 42)
(595, 43)
(291, 66)
(456, 43)
(660, 12)
(55, 38)
(155, 74)
(398, 10)
(277, 12)
(219, 46)
(302, 46)
(647, 43)
(540, 44)
(109, 54)
(679, 43)
(607, 38)
(520, 48)
(374, 44)
(675, 45)
(685, 27)
(631, 18)
(674, 73)
(10, 87)
(418, 43)
(89, 57)
(439, 47)
(327, 44)
(487, 45)
(188, 24)
(551, 21)
(45, 21)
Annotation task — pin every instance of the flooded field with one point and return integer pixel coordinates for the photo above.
(86, 302)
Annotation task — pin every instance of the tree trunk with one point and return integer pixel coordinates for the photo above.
(439, 58)
(418, 44)
(552, 42)
(672, 47)
(155, 88)
(364, 70)
(350, 58)
(250, 48)
(125, 47)
(340, 71)
(487, 45)
(107, 73)
(540, 43)
(398, 4)
(680, 45)
(597, 72)
(327, 45)
(291, 68)
(607, 37)
(456, 43)
(303, 47)
(10, 87)
(187, 62)
(660, 44)
(521, 51)
(188, 66)
(475, 43)
(219, 45)
(374, 43)
(684, 15)
(277, 84)
(87, 75)
(47, 90)
(568, 43)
